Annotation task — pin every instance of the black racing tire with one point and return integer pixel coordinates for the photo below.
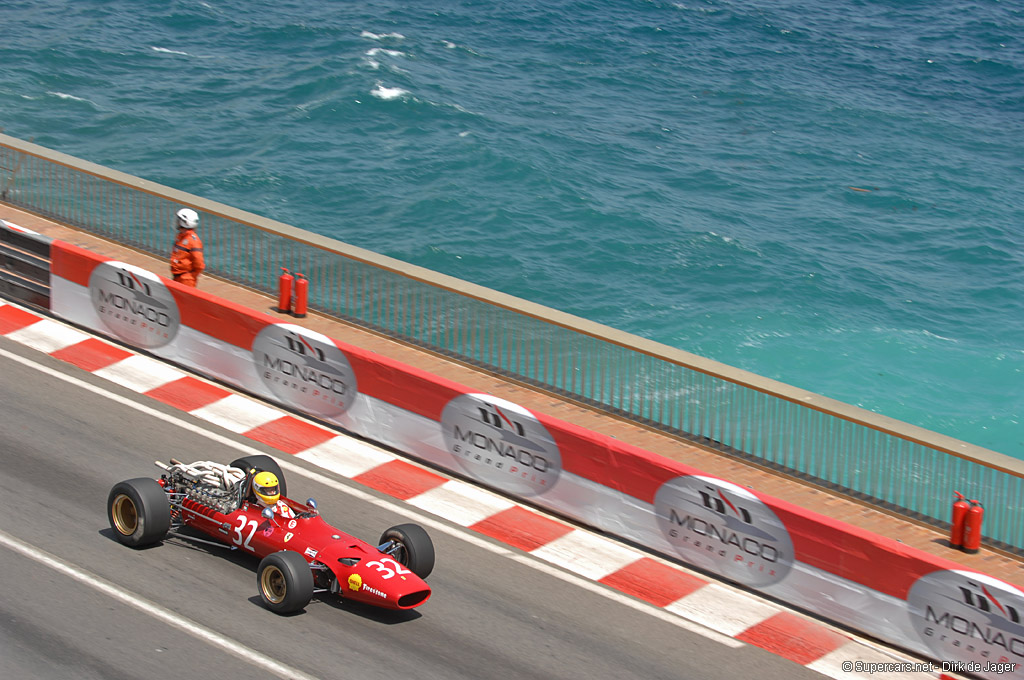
(139, 512)
(416, 550)
(285, 582)
(261, 462)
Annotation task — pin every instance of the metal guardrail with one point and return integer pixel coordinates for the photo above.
(844, 448)
(24, 265)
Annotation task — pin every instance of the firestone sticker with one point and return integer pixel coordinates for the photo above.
(965, 616)
(134, 304)
(501, 444)
(725, 529)
(304, 369)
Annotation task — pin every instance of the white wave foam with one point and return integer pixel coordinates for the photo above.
(371, 62)
(381, 36)
(386, 93)
(167, 51)
(448, 44)
(380, 50)
(64, 95)
(918, 332)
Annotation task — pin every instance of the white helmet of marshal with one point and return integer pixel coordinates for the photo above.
(187, 218)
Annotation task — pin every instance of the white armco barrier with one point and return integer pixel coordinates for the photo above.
(852, 577)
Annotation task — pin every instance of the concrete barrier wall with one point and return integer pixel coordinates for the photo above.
(867, 582)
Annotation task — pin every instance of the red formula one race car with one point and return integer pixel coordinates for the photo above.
(244, 507)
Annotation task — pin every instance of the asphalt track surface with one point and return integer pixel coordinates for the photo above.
(75, 603)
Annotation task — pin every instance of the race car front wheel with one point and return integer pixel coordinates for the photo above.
(139, 512)
(285, 582)
(410, 544)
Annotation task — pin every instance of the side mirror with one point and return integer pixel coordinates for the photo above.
(268, 513)
(310, 502)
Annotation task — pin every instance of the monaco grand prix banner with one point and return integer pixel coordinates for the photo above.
(867, 582)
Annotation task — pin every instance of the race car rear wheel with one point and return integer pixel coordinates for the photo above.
(139, 512)
(285, 582)
(415, 550)
(261, 462)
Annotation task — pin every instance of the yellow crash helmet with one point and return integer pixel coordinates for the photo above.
(266, 487)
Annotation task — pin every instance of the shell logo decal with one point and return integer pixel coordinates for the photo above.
(355, 582)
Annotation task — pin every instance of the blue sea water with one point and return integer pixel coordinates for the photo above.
(827, 194)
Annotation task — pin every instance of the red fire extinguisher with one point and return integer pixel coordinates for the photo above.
(284, 292)
(301, 295)
(972, 527)
(956, 533)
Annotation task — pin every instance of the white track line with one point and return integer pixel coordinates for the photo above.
(211, 637)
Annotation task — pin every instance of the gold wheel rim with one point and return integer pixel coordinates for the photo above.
(126, 516)
(273, 585)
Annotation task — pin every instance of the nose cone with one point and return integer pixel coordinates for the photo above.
(386, 588)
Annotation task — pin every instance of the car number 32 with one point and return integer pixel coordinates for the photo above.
(388, 567)
(238, 540)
